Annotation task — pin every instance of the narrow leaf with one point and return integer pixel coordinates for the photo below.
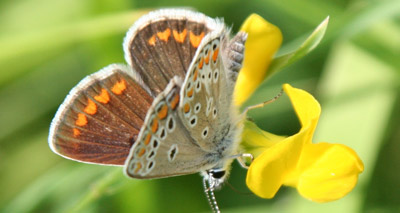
(307, 46)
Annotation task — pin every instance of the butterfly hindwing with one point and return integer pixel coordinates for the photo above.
(165, 147)
(162, 44)
(206, 103)
(101, 117)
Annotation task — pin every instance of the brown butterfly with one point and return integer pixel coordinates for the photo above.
(169, 112)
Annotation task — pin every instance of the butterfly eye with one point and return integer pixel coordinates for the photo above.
(218, 174)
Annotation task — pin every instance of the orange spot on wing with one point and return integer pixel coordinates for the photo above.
(90, 108)
(141, 152)
(76, 132)
(196, 72)
(215, 55)
(207, 58)
(138, 167)
(119, 87)
(103, 97)
(163, 112)
(195, 39)
(175, 101)
(82, 120)
(147, 140)
(154, 126)
(190, 93)
(164, 35)
(186, 108)
(179, 37)
(152, 40)
(201, 63)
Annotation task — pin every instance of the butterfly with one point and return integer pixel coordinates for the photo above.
(169, 111)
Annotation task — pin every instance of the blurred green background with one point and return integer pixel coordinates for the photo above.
(47, 46)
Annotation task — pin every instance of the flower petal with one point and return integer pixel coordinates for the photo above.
(278, 163)
(329, 171)
(256, 140)
(321, 172)
(269, 171)
(264, 39)
(306, 107)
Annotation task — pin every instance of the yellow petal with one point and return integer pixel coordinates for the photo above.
(270, 170)
(328, 171)
(321, 172)
(306, 107)
(278, 163)
(264, 39)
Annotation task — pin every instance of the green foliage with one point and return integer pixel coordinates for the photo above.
(306, 47)
(48, 46)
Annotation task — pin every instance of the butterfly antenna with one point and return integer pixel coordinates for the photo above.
(211, 197)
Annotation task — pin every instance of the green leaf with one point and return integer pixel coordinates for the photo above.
(307, 46)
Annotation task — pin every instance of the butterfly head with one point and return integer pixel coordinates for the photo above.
(215, 177)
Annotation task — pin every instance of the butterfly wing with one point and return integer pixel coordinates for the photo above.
(207, 108)
(101, 117)
(164, 147)
(161, 45)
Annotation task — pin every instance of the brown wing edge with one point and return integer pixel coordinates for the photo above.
(162, 15)
(84, 84)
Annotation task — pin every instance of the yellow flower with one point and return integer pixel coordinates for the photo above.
(321, 172)
(263, 40)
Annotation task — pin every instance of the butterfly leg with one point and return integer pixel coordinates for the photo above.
(260, 105)
(241, 158)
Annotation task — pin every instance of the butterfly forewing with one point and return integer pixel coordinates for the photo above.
(101, 117)
(165, 147)
(161, 45)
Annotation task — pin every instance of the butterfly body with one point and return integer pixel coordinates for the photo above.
(169, 112)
